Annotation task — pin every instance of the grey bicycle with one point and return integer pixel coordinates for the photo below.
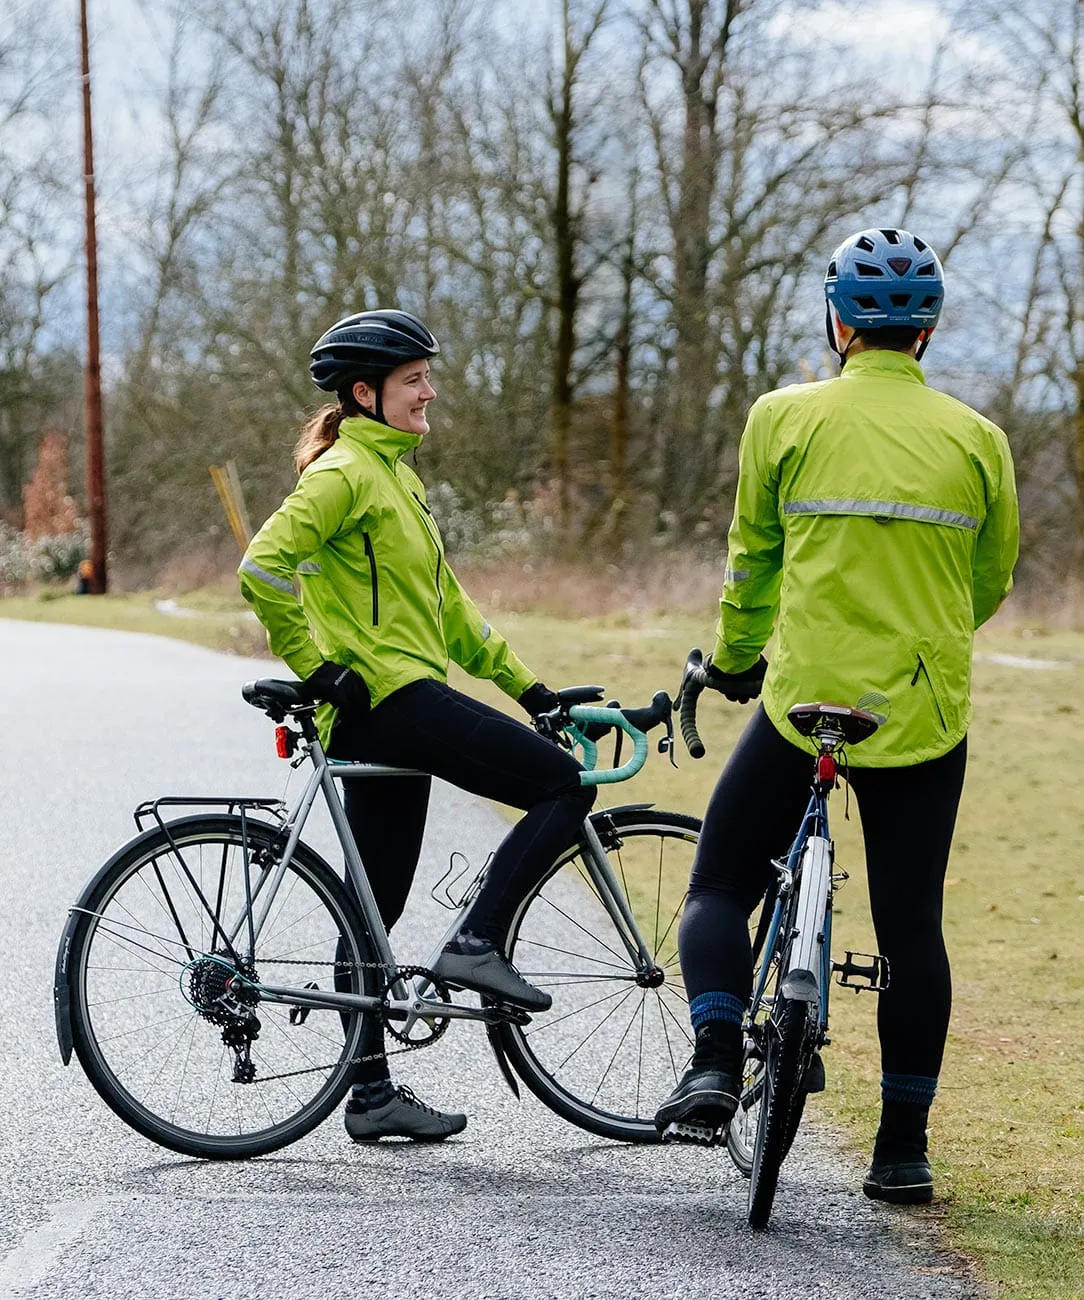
(216, 976)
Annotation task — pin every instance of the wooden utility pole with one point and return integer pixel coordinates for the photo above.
(92, 377)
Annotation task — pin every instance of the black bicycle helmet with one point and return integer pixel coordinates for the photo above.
(367, 346)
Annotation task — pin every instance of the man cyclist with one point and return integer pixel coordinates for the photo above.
(875, 527)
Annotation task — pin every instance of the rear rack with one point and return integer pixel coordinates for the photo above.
(149, 808)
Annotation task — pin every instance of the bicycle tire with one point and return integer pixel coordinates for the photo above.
(741, 1133)
(562, 911)
(788, 1043)
(160, 968)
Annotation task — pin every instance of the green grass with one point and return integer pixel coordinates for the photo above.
(1007, 1131)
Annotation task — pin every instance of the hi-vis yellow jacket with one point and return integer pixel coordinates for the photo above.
(875, 528)
(351, 568)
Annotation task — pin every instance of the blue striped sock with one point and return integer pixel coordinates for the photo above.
(716, 1006)
(914, 1089)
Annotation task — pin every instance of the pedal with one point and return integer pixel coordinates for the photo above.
(701, 1135)
(870, 974)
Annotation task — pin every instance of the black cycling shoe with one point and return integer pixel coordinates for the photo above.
(703, 1099)
(900, 1181)
(707, 1095)
(403, 1115)
(469, 962)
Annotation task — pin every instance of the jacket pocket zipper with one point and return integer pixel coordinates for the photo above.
(436, 543)
(371, 556)
(923, 671)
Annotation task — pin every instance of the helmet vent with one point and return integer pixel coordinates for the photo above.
(865, 302)
(900, 299)
(893, 236)
(901, 265)
(930, 301)
(920, 244)
(927, 269)
(832, 272)
(865, 244)
(868, 271)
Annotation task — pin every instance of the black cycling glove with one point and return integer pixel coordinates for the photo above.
(739, 687)
(538, 699)
(340, 686)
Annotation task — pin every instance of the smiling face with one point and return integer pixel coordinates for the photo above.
(404, 397)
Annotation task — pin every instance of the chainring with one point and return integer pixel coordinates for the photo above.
(432, 1027)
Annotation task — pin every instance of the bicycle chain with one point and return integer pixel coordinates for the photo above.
(371, 1056)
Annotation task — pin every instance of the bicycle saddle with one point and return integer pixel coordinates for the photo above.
(854, 725)
(274, 697)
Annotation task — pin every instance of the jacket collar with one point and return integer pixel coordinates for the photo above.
(388, 443)
(881, 361)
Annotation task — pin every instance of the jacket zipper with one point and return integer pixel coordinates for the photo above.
(436, 543)
(371, 555)
(923, 671)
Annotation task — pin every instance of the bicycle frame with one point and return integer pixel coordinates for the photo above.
(814, 823)
(406, 1004)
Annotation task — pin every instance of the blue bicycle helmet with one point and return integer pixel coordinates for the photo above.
(882, 278)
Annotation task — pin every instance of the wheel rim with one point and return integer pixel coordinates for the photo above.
(616, 1039)
(161, 1057)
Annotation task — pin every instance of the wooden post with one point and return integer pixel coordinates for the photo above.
(92, 377)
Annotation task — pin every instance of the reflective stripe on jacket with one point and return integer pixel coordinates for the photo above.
(351, 568)
(875, 528)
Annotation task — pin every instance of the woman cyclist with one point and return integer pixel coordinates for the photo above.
(350, 579)
(875, 528)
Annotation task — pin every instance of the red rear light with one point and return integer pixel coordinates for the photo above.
(282, 742)
(826, 769)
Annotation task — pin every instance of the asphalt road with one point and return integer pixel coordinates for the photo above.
(522, 1205)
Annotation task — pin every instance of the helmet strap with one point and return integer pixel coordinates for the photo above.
(833, 342)
(921, 349)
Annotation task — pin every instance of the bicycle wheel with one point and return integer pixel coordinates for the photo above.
(167, 1022)
(616, 1039)
(787, 1044)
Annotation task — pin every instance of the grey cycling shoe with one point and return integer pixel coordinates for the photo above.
(402, 1116)
(469, 962)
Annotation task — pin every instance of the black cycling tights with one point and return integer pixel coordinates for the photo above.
(908, 816)
(429, 726)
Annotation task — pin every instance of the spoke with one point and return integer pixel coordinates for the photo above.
(562, 979)
(579, 956)
(612, 1011)
(142, 1029)
(666, 1035)
(577, 1011)
(658, 898)
(640, 1056)
(184, 1075)
(688, 1037)
(660, 940)
(588, 881)
(572, 921)
(620, 1041)
(132, 997)
(137, 924)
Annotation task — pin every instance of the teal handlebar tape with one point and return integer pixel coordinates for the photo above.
(586, 713)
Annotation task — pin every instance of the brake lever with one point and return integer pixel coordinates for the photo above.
(666, 743)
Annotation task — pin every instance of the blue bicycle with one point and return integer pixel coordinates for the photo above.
(786, 1023)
